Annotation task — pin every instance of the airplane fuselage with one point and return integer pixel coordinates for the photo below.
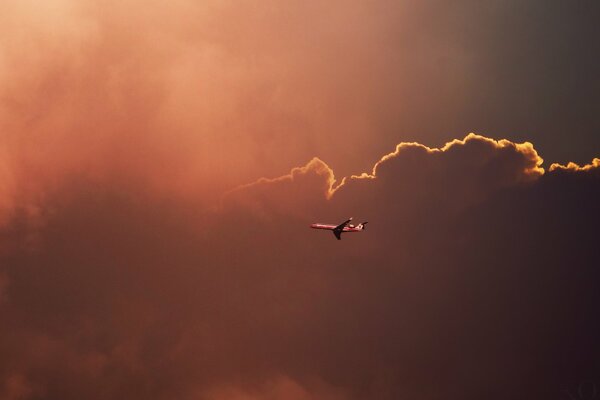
(349, 228)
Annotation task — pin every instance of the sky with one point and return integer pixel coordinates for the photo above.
(160, 165)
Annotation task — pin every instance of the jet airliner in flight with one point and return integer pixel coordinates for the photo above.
(345, 226)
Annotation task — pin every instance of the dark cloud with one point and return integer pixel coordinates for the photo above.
(475, 278)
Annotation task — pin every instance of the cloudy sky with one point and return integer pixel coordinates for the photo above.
(160, 164)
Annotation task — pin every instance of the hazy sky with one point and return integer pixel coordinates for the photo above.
(249, 88)
(160, 163)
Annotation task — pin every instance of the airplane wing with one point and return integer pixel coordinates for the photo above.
(342, 225)
(337, 231)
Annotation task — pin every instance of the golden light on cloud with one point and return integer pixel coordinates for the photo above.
(571, 166)
(314, 166)
(482, 150)
(526, 149)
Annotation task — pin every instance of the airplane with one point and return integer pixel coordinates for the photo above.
(345, 226)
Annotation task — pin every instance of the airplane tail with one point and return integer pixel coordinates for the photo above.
(363, 225)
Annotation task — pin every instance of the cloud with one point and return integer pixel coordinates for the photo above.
(482, 147)
(576, 167)
(162, 96)
(299, 177)
(129, 269)
(476, 274)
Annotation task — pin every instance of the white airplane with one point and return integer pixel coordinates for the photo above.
(345, 226)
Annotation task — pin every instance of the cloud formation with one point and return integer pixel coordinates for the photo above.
(167, 94)
(126, 272)
(476, 277)
(576, 167)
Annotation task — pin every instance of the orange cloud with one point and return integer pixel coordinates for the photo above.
(530, 164)
(571, 166)
(122, 122)
(314, 166)
(532, 168)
